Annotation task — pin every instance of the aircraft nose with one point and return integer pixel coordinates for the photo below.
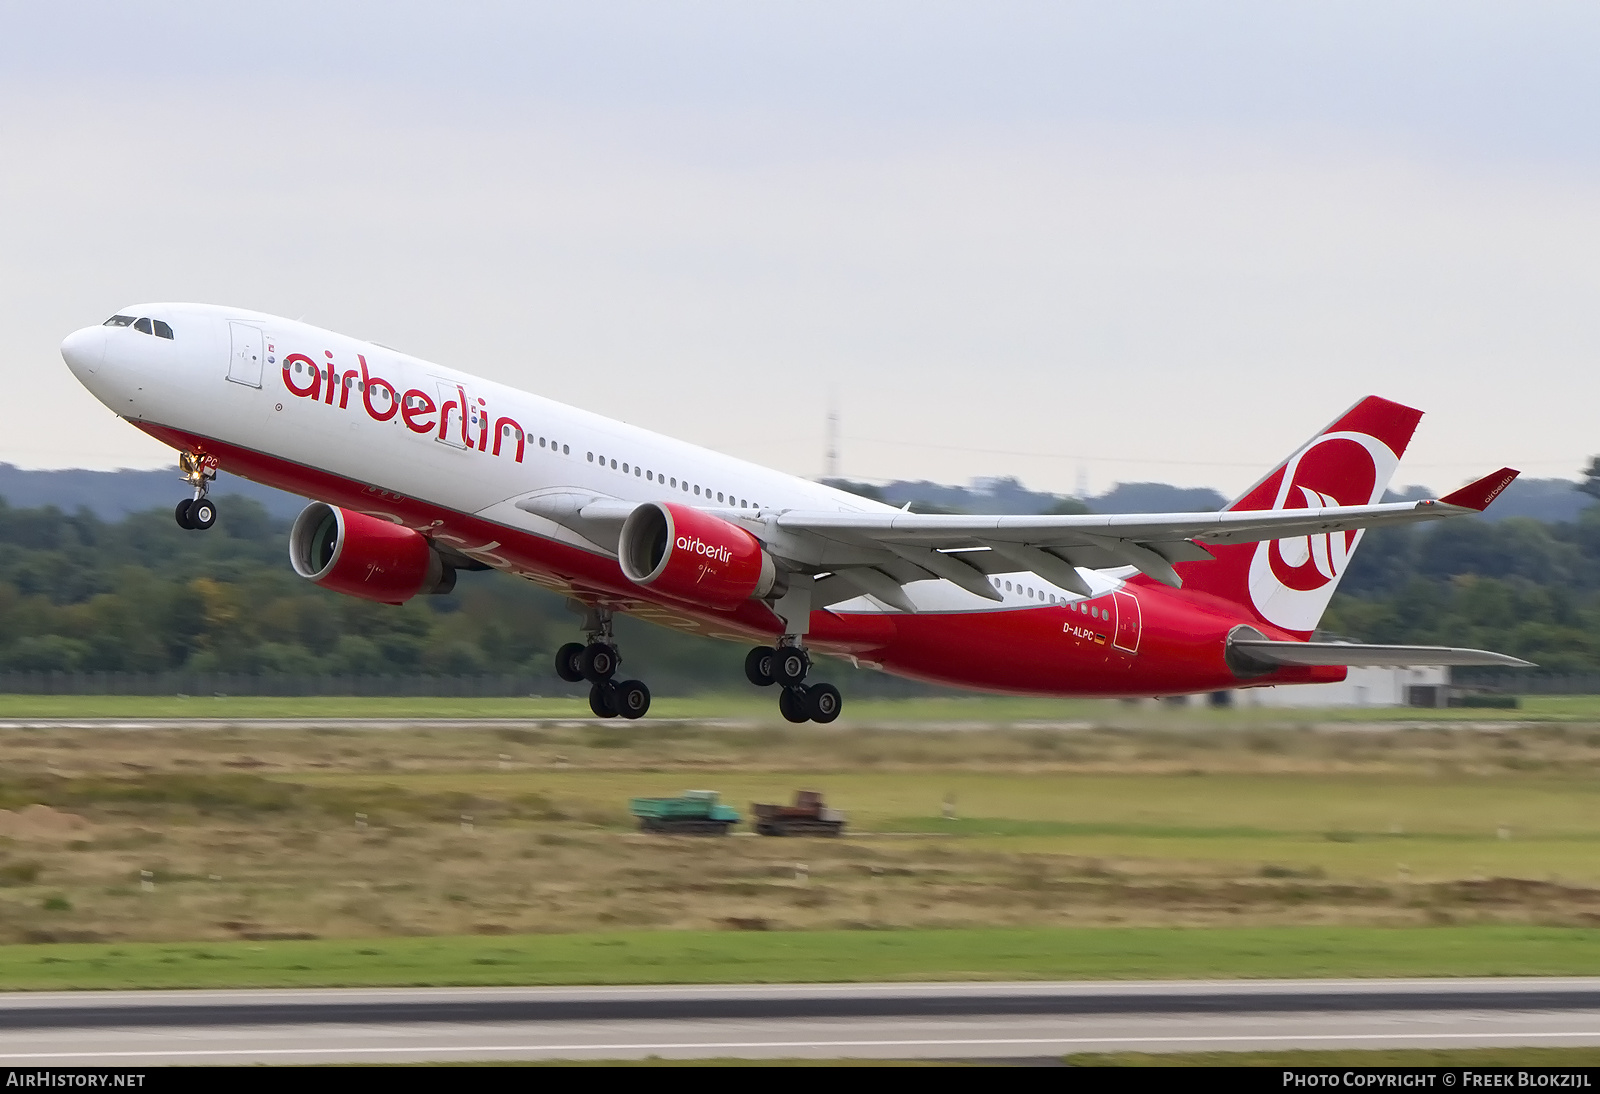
(84, 350)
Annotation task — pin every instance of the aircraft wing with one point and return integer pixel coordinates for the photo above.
(966, 549)
(1356, 655)
(879, 552)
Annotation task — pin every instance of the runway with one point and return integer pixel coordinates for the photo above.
(942, 1021)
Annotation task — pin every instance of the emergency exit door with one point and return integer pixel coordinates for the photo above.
(452, 426)
(1127, 634)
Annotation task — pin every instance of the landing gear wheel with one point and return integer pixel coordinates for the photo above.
(758, 666)
(823, 702)
(603, 700)
(567, 666)
(202, 514)
(790, 666)
(181, 514)
(632, 698)
(792, 704)
(598, 663)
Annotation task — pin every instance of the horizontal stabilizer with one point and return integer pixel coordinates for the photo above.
(1359, 656)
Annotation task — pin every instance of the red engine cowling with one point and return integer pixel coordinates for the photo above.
(691, 555)
(364, 556)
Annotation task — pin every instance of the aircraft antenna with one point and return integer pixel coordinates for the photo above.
(831, 457)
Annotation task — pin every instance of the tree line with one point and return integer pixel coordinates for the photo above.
(81, 594)
(1520, 586)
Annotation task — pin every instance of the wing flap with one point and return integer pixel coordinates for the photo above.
(877, 584)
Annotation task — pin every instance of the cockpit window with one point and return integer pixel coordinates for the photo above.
(142, 325)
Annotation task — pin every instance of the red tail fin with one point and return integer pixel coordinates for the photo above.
(1288, 582)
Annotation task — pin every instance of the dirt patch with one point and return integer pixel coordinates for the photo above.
(41, 824)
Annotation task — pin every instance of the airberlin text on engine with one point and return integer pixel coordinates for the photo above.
(697, 546)
(306, 379)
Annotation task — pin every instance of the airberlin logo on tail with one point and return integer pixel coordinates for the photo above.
(1292, 580)
(697, 546)
(1307, 563)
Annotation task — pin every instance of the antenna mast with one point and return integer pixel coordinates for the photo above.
(831, 457)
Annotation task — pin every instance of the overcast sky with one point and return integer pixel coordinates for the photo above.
(1119, 241)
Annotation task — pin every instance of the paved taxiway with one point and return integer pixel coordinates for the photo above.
(859, 1020)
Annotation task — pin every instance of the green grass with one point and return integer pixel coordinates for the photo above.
(1587, 1056)
(752, 704)
(745, 704)
(1174, 805)
(690, 957)
(1343, 826)
(250, 706)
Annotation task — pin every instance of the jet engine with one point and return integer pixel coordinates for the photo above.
(691, 555)
(364, 556)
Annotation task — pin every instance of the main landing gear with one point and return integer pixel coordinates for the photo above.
(788, 665)
(596, 661)
(198, 513)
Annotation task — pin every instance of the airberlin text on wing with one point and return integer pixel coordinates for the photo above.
(416, 408)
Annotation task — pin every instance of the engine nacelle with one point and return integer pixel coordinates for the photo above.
(691, 555)
(364, 556)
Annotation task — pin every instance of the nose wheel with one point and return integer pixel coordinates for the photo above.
(597, 661)
(198, 513)
(788, 667)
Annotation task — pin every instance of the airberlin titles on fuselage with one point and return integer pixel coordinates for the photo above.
(415, 407)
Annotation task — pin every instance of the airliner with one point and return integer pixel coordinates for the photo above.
(416, 471)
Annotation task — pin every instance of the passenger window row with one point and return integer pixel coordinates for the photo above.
(672, 482)
(142, 325)
(1039, 594)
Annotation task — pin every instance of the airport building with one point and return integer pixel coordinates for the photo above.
(1420, 686)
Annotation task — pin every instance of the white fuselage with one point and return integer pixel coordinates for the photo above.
(263, 383)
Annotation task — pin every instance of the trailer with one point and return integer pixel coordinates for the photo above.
(808, 816)
(692, 813)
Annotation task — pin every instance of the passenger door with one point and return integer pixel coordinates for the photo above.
(244, 362)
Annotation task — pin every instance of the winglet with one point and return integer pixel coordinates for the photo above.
(1478, 495)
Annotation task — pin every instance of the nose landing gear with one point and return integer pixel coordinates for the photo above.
(788, 665)
(597, 661)
(199, 512)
